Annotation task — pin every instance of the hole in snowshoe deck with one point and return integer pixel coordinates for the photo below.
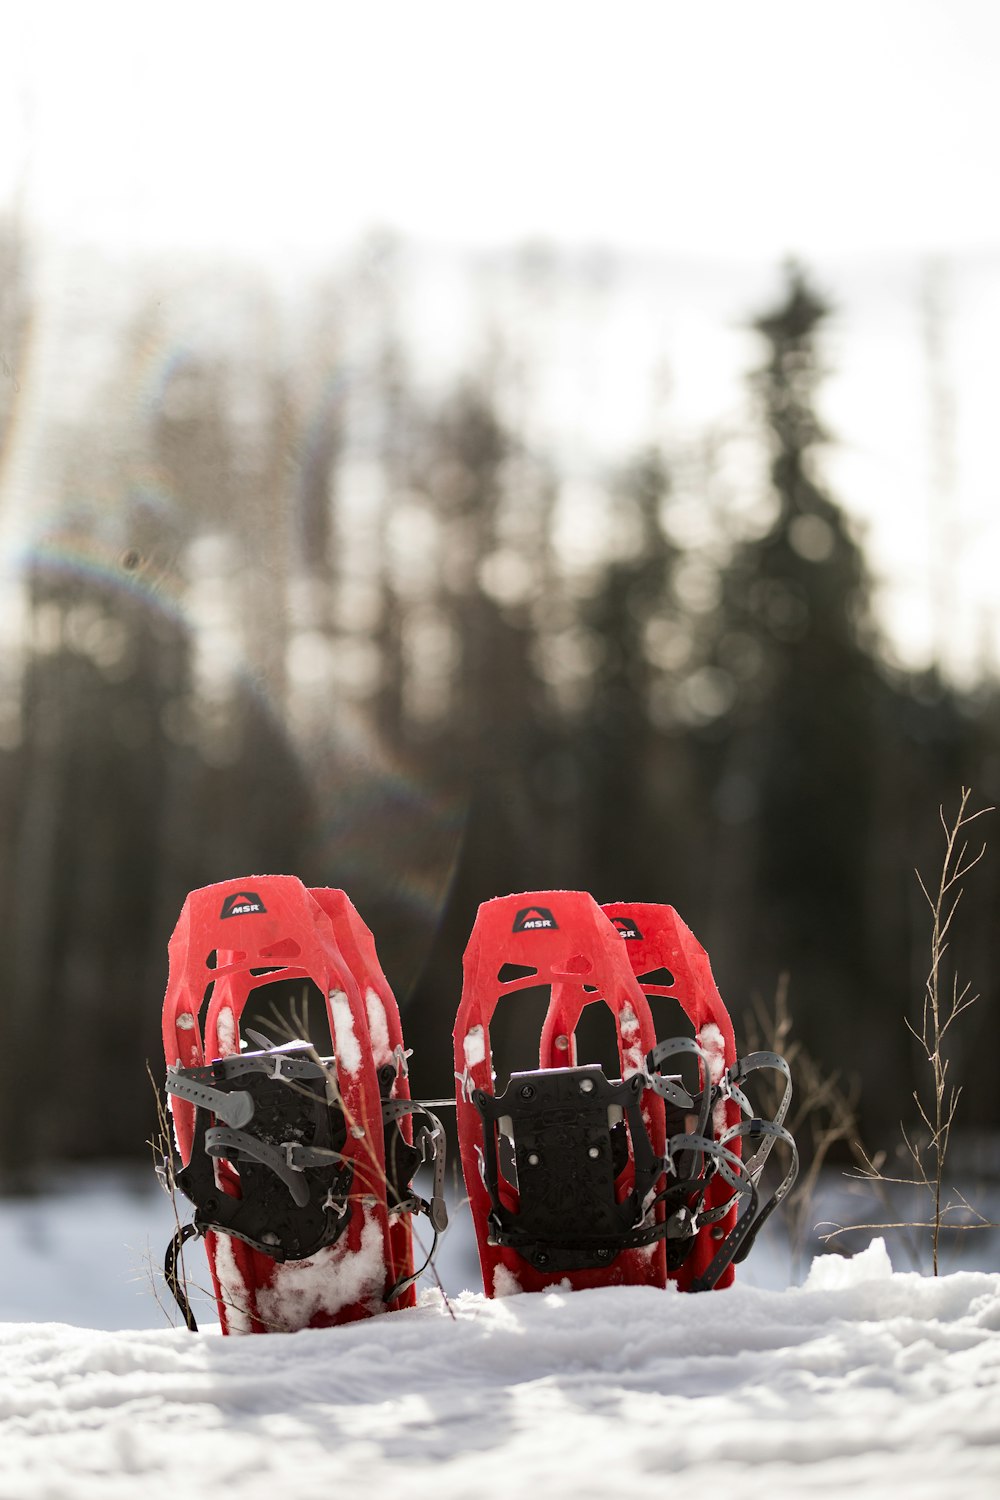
(658, 976)
(597, 1039)
(222, 959)
(507, 973)
(288, 1008)
(515, 1029)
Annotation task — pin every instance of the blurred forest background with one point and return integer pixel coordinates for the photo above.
(292, 605)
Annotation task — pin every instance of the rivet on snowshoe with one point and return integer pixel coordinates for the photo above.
(586, 1085)
(528, 1091)
(562, 1042)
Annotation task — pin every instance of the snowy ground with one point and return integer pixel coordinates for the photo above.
(861, 1382)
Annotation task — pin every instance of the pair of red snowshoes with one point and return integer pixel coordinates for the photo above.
(299, 1156)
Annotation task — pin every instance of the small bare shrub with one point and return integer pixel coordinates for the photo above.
(925, 1148)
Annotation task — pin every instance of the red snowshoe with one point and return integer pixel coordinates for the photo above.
(563, 1167)
(299, 1165)
(581, 1180)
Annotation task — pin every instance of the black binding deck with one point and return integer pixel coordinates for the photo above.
(568, 1131)
(279, 1123)
(286, 1138)
(560, 1137)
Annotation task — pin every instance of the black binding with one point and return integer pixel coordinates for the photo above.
(558, 1137)
(565, 1135)
(566, 1158)
(277, 1118)
(294, 1181)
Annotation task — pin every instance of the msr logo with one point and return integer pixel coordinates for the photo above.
(243, 904)
(627, 928)
(531, 918)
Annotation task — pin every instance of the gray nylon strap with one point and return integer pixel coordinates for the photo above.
(235, 1109)
(727, 1163)
(740, 1071)
(672, 1091)
(674, 1046)
(300, 1157)
(752, 1219)
(398, 1109)
(220, 1141)
(671, 1046)
(771, 1131)
(675, 1093)
(277, 1064)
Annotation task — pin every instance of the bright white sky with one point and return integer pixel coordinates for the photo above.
(860, 134)
(818, 126)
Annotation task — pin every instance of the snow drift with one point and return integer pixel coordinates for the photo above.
(862, 1382)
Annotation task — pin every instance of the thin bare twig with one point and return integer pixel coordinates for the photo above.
(162, 1148)
(937, 1102)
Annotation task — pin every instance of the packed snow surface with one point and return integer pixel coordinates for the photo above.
(860, 1383)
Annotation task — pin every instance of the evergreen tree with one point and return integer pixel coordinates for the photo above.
(799, 747)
